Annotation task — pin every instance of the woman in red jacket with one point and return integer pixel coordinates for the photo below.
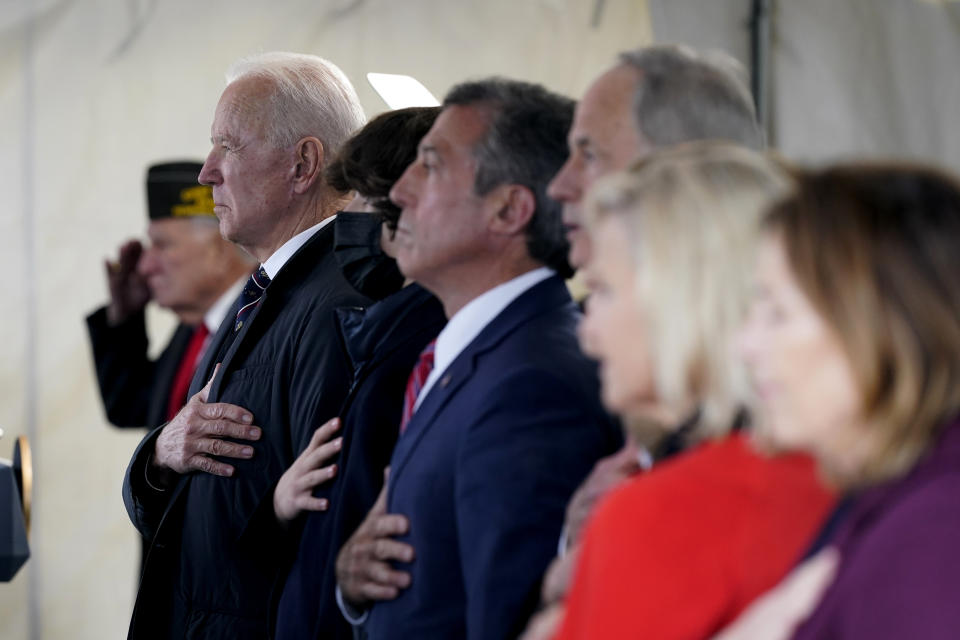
(678, 552)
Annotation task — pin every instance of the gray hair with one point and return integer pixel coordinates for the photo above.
(684, 95)
(313, 97)
(525, 144)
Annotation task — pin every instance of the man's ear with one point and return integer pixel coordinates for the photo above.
(514, 206)
(309, 164)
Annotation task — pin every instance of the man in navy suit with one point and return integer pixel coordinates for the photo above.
(503, 417)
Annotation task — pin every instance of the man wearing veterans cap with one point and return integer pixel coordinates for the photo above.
(188, 268)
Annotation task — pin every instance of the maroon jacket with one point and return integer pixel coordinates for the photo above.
(899, 573)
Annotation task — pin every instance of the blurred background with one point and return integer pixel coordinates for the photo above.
(93, 91)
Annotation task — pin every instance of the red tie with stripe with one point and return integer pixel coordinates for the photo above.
(415, 383)
(188, 364)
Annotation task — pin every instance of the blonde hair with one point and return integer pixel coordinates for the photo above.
(692, 214)
(876, 249)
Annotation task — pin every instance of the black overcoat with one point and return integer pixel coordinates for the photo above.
(217, 550)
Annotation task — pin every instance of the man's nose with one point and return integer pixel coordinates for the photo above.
(209, 174)
(399, 192)
(563, 186)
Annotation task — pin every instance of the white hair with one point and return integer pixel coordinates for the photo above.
(312, 97)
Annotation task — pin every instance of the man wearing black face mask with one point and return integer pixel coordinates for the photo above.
(383, 343)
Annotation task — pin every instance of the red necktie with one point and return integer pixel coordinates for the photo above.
(188, 364)
(415, 383)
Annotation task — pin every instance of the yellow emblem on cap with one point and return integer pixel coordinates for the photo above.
(196, 201)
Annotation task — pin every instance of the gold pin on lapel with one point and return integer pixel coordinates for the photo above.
(444, 381)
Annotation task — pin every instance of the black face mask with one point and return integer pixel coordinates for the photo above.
(356, 247)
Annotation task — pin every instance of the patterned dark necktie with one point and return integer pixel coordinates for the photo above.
(250, 296)
(415, 383)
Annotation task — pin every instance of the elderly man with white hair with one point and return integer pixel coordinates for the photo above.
(202, 485)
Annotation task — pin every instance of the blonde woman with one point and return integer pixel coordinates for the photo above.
(854, 345)
(678, 552)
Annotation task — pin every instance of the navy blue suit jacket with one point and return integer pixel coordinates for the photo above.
(485, 469)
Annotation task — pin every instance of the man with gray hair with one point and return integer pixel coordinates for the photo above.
(653, 97)
(202, 485)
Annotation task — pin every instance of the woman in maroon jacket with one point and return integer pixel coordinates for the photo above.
(854, 347)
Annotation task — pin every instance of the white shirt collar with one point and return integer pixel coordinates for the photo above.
(467, 323)
(280, 257)
(214, 316)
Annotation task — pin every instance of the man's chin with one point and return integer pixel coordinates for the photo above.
(164, 302)
(227, 230)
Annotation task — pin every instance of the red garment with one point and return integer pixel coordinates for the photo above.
(679, 552)
(421, 371)
(185, 370)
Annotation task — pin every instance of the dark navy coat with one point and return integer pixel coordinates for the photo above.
(217, 550)
(485, 469)
(384, 343)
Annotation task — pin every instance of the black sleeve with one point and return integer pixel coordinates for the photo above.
(125, 374)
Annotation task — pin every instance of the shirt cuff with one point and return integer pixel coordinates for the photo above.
(354, 616)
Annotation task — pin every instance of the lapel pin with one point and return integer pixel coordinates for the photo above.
(445, 380)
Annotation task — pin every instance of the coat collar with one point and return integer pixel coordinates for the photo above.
(374, 332)
(293, 272)
(542, 298)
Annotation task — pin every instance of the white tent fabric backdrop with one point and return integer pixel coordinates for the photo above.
(93, 91)
(848, 78)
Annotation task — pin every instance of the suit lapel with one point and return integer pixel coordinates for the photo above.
(227, 360)
(539, 299)
(459, 371)
(290, 274)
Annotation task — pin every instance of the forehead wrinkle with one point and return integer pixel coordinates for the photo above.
(243, 109)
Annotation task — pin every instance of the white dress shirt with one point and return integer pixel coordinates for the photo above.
(280, 257)
(461, 329)
(218, 311)
(466, 324)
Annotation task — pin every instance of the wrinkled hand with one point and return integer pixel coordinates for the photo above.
(198, 431)
(128, 289)
(364, 573)
(294, 492)
(545, 624)
(606, 474)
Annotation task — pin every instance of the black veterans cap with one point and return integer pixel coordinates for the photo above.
(173, 191)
